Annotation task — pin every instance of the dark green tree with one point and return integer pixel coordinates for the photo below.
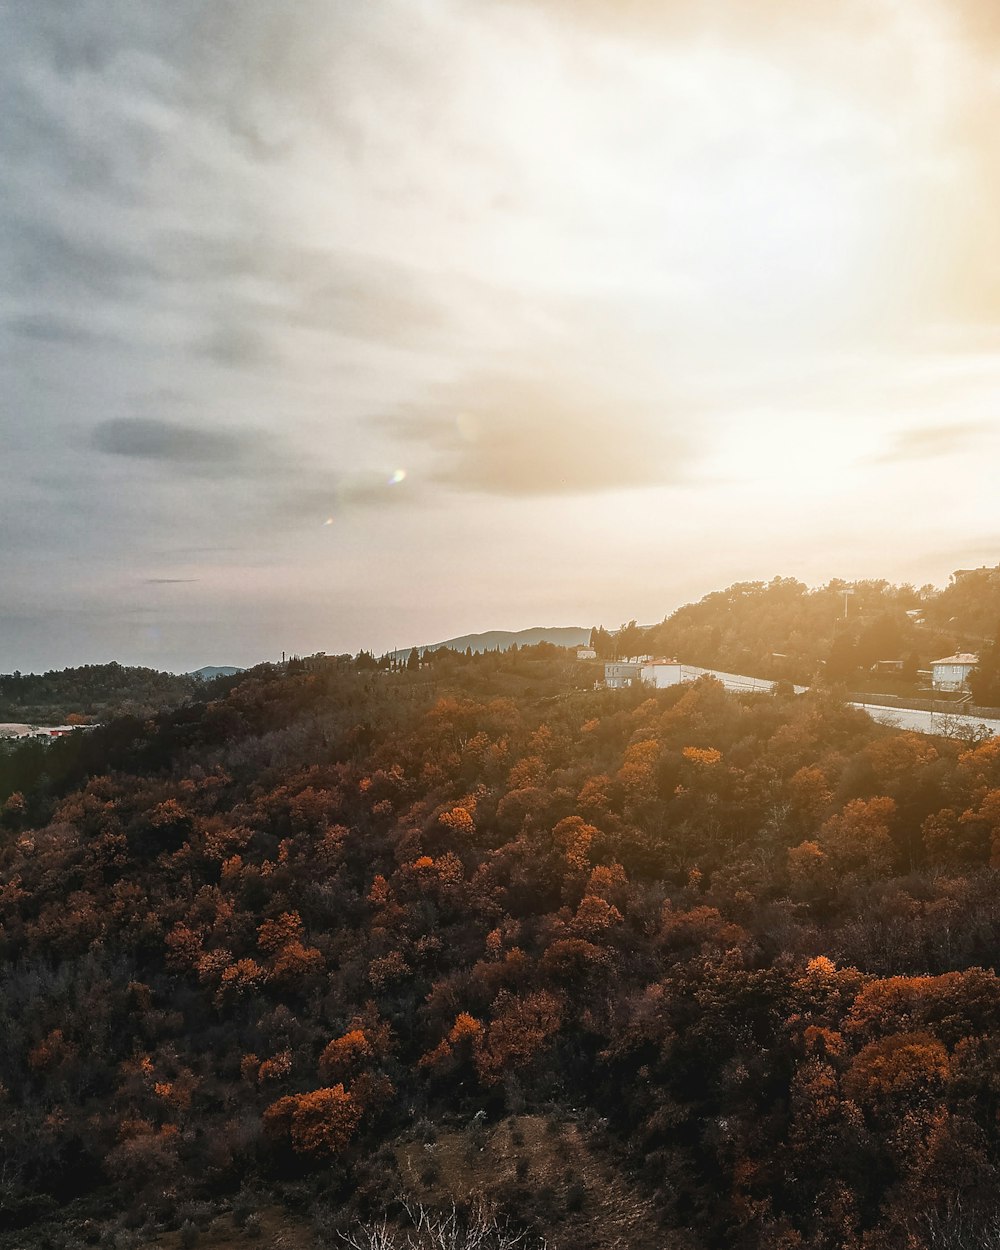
(984, 680)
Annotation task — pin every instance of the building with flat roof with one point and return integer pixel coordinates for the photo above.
(660, 674)
(618, 674)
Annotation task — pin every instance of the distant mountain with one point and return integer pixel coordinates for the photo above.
(210, 672)
(559, 636)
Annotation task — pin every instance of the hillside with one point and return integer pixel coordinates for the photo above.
(683, 969)
(90, 692)
(504, 639)
(971, 602)
(210, 671)
(843, 633)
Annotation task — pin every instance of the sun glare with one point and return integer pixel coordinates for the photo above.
(806, 455)
(781, 236)
(774, 203)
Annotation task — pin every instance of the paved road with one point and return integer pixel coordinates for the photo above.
(945, 724)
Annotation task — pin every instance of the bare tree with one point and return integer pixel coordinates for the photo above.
(481, 1229)
(961, 1228)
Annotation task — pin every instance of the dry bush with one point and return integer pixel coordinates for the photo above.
(481, 1229)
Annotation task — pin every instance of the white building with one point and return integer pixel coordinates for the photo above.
(12, 730)
(663, 673)
(621, 673)
(586, 653)
(952, 673)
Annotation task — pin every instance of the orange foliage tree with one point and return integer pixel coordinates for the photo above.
(318, 1124)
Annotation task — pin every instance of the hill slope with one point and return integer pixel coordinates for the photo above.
(503, 640)
(91, 691)
(274, 947)
(837, 633)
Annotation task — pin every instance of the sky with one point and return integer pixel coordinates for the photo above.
(328, 325)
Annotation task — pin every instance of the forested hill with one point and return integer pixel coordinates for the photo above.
(504, 639)
(970, 603)
(677, 968)
(90, 692)
(835, 633)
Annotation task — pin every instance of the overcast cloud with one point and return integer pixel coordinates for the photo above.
(327, 325)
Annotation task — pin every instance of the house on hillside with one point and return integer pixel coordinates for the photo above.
(618, 674)
(586, 653)
(663, 673)
(320, 660)
(952, 673)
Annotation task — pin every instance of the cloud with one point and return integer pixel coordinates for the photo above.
(249, 480)
(503, 435)
(980, 21)
(237, 342)
(766, 20)
(367, 299)
(932, 442)
(170, 581)
(48, 258)
(326, 291)
(52, 328)
(311, 497)
(149, 438)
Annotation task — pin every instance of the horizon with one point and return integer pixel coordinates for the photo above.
(610, 627)
(323, 329)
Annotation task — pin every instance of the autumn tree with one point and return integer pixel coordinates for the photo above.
(318, 1124)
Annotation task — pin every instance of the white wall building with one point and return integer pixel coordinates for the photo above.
(621, 673)
(663, 673)
(12, 730)
(952, 673)
(586, 653)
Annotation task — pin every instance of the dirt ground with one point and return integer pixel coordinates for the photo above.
(544, 1173)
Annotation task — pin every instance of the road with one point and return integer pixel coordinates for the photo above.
(945, 724)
